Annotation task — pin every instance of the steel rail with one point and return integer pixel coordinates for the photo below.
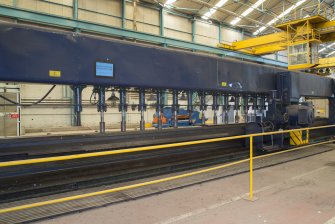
(147, 148)
(113, 190)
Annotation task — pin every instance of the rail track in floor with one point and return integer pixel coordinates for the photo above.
(38, 180)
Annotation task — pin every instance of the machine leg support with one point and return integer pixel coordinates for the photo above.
(142, 107)
(142, 121)
(102, 108)
(175, 121)
(215, 118)
(102, 128)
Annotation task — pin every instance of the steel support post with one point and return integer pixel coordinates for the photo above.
(175, 108)
(246, 108)
(237, 108)
(77, 107)
(255, 108)
(190, 105)
(263, 106)
(203, 107)
(102, 107)
(142, 107)
(123, 109)
(159, 107)
(226, 107)
(215, 107)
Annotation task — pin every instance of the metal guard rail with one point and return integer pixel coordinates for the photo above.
(87, 155)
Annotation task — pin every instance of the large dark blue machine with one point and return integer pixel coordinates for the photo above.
(39, 55)
(29, 54)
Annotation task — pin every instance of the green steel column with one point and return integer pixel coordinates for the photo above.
(75, 9)
(123, 14)
(15, 3)
(161, 21)
(75, 13)
(193, 29)
(161, 24)
(220, 37)
(220, 33)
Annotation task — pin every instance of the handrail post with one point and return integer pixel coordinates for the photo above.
(251, 168)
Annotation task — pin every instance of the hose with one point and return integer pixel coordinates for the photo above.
(28, 105)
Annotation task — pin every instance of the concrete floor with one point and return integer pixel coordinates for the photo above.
(301, 191)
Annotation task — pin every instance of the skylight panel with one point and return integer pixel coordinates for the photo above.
(211, 11)
(287, 11)
(247, 12)
(169, 3)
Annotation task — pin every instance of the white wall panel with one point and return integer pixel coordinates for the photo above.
(229, 36)
(207, 34)
(36, 91)
(177, 27)
(99, 18)
(65, 9)
(177, 23)
(6, 2)
(105, 12)
(147, 20)
(177, 35)
(111, 7)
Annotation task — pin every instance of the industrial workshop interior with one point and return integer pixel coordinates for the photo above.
(167, 111)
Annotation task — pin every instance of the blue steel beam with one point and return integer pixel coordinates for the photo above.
(42, 18)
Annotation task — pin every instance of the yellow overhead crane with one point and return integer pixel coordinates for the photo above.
(301, 37)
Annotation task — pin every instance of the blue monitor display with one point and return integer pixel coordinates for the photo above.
(104, 69)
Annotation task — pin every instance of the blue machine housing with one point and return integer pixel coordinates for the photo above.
(29, 54)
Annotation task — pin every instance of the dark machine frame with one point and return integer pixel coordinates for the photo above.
(32, 54)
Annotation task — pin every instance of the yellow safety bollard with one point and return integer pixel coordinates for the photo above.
(251, 168)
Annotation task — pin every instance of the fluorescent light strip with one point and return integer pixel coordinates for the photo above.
(211, 11)
(247, 12)
(327, 46)
(168, 3)
(287, 11)
(330, 54)
(323, 49)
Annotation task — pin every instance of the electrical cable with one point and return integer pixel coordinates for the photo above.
(28, 105)
(95, 98)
